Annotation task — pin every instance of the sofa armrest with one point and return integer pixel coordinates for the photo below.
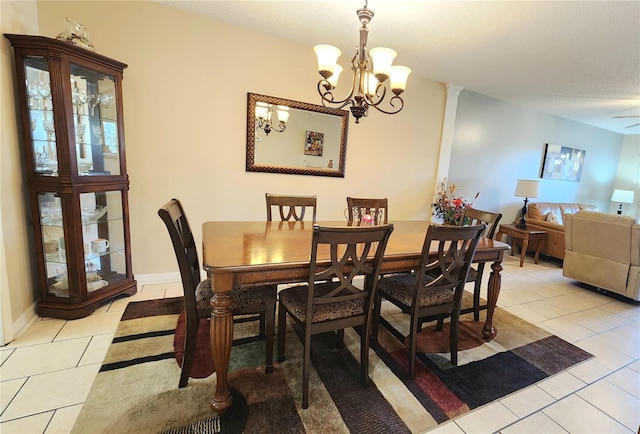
(545, 226)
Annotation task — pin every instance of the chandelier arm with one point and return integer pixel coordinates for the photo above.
(393, 112)
(329, 102)
(380, 95)
(327, 95)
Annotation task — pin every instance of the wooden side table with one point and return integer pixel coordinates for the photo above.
(525, 235)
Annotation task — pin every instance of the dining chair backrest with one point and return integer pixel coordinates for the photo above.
(355, 251)
(184, 246)
(455, 247)
(364, 211)
(473, 216)
(291, 207)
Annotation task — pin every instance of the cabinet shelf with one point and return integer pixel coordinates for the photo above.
(76, 173)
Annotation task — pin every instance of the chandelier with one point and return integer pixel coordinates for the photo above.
(264, 115)
(371, 70)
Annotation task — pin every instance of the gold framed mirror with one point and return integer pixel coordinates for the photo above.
(311, 141)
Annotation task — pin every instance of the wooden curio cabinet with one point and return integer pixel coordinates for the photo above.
(70, 102)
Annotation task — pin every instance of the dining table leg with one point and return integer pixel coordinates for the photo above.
(493, 291)
(221, 338)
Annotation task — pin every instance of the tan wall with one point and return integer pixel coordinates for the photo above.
(185, 95)
(16, 282)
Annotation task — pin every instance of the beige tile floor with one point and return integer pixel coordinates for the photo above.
(47, 372)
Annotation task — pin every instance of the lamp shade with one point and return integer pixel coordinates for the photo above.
(327, 57)
(622, 196)
(382, 60)
(283, 114)
(262, 110)
(527, 188)
(399, 75)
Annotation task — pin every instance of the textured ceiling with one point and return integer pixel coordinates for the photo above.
(575, 59)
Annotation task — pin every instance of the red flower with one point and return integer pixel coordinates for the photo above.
(447, 206)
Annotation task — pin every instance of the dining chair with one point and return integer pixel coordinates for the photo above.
(470, 217)
(435, 289)
(253, 303)
(367, 211)
(331, 300)
(291, 206)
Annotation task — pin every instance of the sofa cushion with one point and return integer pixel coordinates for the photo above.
(540, 210)
(552, 217)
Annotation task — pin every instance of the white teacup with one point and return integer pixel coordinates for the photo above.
(99, 245)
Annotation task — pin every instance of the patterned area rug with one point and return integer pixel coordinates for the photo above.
(136, 388)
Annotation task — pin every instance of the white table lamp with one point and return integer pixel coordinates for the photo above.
(622, 196)
(526, 188)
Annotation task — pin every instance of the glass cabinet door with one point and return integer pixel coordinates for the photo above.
(40, 107)
(103, 238)
(54, 245)
(95, 120)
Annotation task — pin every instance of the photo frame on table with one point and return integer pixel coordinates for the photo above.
(562, 163)
(314, 143)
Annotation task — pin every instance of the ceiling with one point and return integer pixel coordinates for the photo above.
(576, 59)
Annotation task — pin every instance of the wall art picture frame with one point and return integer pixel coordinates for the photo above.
(562, 163)
(314, 143)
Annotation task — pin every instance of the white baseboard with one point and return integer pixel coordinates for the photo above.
(145, 279)
(27, 318)
(24, 322)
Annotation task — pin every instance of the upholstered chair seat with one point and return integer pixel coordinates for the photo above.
(295, 301)
(401, 288)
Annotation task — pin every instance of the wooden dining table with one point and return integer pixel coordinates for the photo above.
(250, 253)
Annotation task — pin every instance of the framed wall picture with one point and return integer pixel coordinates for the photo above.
(314, 143)
(562, 163)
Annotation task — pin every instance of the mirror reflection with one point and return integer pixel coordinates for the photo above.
(286, 136)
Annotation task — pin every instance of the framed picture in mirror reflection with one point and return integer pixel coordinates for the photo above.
(314, 143)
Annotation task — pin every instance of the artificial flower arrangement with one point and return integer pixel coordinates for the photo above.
(447, 205)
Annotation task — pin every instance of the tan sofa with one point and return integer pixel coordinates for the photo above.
(549, 217)
(603, 250)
